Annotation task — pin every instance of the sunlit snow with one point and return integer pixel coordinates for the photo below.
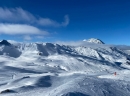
(48, 69)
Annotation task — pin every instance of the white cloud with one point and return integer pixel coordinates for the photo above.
(71, 43)
(66, 22)
(49, 22)
(39, 37)
(27, 37)
(18, 15)
(14, 42)
(16, 29)
(76, 43)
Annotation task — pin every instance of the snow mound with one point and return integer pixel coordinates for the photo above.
(93, 40)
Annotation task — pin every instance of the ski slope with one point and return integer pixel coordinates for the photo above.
(50, 69)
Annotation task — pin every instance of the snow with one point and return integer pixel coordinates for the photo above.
(94, 40)
(64, 70)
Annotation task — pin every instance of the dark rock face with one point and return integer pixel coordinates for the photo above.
(7, 91)
(74, 94)
(5, 42)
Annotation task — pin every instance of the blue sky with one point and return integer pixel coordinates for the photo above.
(65, 20)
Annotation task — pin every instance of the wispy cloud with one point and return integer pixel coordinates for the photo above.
(16, 29)
(77, 43)
(15, 15)
(49, 22)
(39, 37)
(71, 43)
(27, 37)
(18, 15)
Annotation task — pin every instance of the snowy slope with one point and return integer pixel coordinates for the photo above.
(48, 69)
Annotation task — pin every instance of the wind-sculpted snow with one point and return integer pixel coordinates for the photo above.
(48, 69)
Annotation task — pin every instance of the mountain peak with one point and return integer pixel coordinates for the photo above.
(5, 42)
(94, 40)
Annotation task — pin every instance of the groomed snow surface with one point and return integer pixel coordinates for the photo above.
(48, 69)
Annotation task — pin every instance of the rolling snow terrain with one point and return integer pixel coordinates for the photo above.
(50, 69)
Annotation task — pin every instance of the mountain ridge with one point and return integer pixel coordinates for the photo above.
(5, 42)
(60, 70)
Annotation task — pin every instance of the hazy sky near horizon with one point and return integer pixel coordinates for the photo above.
(65, 20)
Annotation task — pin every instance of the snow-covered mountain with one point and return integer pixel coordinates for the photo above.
(50, 69)
(93, 40)
(5, 42)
